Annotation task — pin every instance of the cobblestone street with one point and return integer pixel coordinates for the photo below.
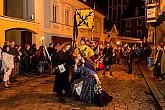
(129, 92)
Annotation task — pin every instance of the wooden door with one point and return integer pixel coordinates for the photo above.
(26, 38)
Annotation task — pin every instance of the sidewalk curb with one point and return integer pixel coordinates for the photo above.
(158, 96)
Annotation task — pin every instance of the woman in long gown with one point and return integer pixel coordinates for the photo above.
(86, 85)
(63, 61)
(7, 65)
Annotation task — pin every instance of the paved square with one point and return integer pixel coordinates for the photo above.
(129, 92)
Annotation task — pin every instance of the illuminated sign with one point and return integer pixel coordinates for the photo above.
(151, 12)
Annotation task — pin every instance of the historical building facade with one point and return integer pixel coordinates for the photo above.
(116, 8)
(134, 20)
(59, 19)
(156, 27)
(17, 22)
(30, 20)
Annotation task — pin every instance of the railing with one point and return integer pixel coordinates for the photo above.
(17, 19)
(61, 24)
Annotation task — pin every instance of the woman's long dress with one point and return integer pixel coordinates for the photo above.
(85, 88)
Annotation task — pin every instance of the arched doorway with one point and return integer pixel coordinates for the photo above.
(20, 36)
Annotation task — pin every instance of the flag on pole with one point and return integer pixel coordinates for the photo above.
(75, 30)
(85, 18)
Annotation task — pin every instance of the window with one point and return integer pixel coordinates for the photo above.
(54, 13)
(110, 13)
(139, 33)
(97, 25)
(137, 11)
(115, 2)
(119, 12)
(67, 17)
(119, 1)
(125, 1)
(128, 33)
(139, 22)
(110, 2)
(128, 23)
(114, 14)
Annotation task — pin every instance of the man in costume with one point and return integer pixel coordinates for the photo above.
(87, 52)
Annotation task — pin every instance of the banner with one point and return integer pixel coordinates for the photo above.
(75, 31)
(85, 18)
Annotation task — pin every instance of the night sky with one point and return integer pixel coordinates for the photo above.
(102, 5)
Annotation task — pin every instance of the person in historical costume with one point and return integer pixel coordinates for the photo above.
(14, 51)
(107, 58)
(63, 60)
(86, 85)
(34, 58)
(26, 57)
(7, 65)
(130, 59)
(41, 59)
(159, 64)
(88, 52)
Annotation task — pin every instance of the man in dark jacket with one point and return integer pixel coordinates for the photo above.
(158, 63)
(130, 60)
(26, 54)
(107, 61)
(51, 49)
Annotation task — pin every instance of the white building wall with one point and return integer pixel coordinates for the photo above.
(60, 29)
(47, 14)
(39, 18)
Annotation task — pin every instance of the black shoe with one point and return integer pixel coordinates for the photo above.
(66, 95)
(13, 80)
(129, 72)
(110, 73)
(160, 79)
(58, 94)
(103, 73)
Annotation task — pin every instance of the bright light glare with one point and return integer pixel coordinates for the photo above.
(117, 42)
(42, 38)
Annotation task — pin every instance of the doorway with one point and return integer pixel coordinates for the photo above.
(19, 36)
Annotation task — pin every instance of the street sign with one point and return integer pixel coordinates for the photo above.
(151, 13)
